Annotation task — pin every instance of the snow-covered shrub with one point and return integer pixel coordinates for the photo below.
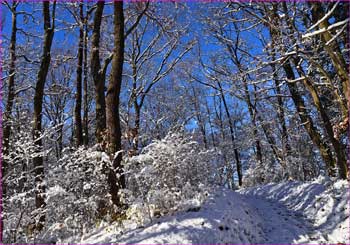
(294, 168)
(19, 212)
(77, 196)
(262, 174)
(77, 193)
(171, 174)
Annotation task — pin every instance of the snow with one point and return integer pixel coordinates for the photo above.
(224, 218)
(322, 204)
(290, 212)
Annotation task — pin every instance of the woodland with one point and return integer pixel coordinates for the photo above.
(117, 112)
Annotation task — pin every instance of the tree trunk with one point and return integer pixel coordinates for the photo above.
(332, 50)
(8, 110)
(116, 179)
(299, 103)
(252, 113)
(235, 59)
(272, 142)
(309, 84)
(85, 85)
(11, 93)
(201, 124)
(137, 108)
(60, 140)
(231, 126)
(135, 139)
(210, 123)
(78, 98)
(218, 113)
(338, 148)
(306, 120)
(286, 149)
(96, 75)
(38, 103)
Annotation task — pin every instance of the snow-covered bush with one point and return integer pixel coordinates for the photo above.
(294, 168)
(19, 212)
(77, 193)
(262, 174)
(77, 196)
(171, 174)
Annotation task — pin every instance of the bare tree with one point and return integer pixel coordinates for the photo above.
(49, 27)
(98, 74)
(11, 89)
(146, 68)
(78, 96)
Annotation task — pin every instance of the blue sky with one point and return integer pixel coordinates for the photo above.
(67, 39)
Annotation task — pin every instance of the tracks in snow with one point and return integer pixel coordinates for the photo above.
(282, 225)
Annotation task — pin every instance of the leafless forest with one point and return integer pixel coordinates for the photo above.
(106, 105)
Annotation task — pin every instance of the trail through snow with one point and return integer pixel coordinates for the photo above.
(291, 212)
(281, 225)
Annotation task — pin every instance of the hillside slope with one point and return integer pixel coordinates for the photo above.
(291, 212)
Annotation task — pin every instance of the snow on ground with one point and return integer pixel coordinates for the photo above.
(225, 218)
(291, 212)
(322, 204)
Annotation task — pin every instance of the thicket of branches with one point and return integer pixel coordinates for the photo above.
(106, 102)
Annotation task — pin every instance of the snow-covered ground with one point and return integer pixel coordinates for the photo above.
(319, 208)
(291, 212)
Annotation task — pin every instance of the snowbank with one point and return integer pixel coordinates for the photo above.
(323, 202)
(225, 218)
(291, 212)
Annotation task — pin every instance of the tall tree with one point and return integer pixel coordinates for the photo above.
(97, 74)
(11, 90)
(298, 100)
(78, 95)
(321, 21)
(85, 87)
(49, 27)
(116, 178)
(161, 52)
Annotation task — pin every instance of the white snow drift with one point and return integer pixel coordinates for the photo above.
(290, 212)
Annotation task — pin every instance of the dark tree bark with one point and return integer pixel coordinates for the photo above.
(38, 104)
(78, 99)
(309, 84)
(99, 82)
(271, 141)
(229, 169)
(305, 118)
(11, 93)
(252, 113)
(135, 144)
(341, 68)
(218, 113)
(333, 49)
(85, 85)
(231, 126)
(9, 105)
(210, 123)
(99, 73)
(116, 178)
(338, 148)
(137, 107)
(286, 149)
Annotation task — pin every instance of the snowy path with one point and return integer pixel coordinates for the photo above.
(281, 225)
(285, 213)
